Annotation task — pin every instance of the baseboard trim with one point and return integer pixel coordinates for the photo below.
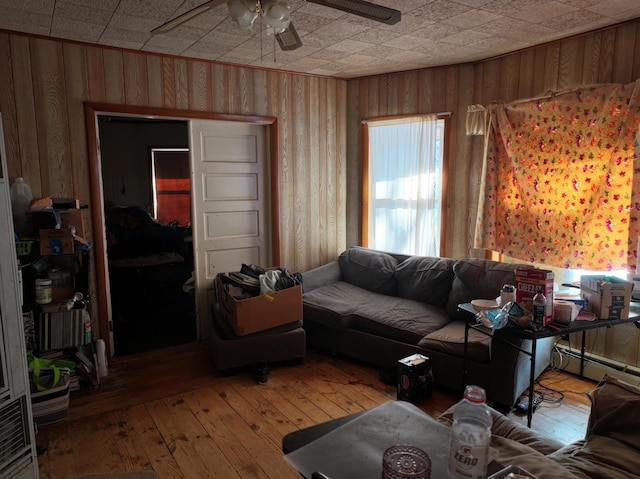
(595, 367)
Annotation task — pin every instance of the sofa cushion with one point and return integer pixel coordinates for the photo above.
(369, 269)
(615, 412)
(478, 279)
(333, 305)
(450, 340)
(425, 279)
(397, 318)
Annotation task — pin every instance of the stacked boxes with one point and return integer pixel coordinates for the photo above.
(528, 282)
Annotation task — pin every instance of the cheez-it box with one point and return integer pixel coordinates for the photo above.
(528, 281)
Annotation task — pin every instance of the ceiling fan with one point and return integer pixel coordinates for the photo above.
(276, 16)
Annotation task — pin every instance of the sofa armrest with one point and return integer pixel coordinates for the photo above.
(321, 276)
(504, 427)
(510, 368)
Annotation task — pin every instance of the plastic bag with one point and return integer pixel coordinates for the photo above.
(495, 318)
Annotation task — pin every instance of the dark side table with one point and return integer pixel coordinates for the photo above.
(512, 332)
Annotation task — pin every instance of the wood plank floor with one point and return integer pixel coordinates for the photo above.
(170, 412)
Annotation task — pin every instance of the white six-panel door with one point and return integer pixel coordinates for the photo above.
(230, 204)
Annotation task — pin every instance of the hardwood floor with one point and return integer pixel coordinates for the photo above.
(170, 412)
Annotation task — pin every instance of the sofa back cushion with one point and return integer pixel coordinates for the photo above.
(615, 411)
(478, 279)
(425, 279)
(369, 269)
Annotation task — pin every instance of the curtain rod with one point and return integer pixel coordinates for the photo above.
(404, 117)
(552, 94)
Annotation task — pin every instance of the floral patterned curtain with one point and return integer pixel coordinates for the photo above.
(558, 182)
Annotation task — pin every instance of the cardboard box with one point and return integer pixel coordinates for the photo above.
(73, 218)
(607, 297)
(528, 282)
(55, 241)
(266, 311)
(415, 379)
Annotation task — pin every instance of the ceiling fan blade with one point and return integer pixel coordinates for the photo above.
(188, 15)
(363, 9)
(289, 39)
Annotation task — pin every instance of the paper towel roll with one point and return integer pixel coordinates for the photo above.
(565, 311)
(101, 352)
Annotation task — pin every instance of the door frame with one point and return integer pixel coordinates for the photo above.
(92, 111)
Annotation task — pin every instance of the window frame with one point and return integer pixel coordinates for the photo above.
(364, 199)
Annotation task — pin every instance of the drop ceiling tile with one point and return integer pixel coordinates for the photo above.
(405, 42)
(613, 7)
(440, 10)
(381, 51)
(436, 31)
(541, 14)
(350, 46)
(576, 19)
(466, 37)
(472, 18)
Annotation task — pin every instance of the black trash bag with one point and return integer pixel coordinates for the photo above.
(286, 280)
(252, 270)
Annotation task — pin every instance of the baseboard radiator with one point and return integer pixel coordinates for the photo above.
(595, 367)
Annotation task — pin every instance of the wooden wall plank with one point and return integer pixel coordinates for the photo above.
(8, 109)
(113, 76)
(47, 63)
(626, 36)
(607, 50)
(168, 83)
(155, 84)
(199, 89)
(591, 65)
(510, 78)
(77, 86)
(135, 78)
(526, 74)
(570, 63)
(181, 76)
(552, 67)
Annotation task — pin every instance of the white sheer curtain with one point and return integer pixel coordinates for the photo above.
(405, 184)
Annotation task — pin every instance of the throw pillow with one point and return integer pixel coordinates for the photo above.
(369, 269)
(425, 279)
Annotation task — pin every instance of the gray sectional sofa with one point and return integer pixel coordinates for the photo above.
(381, 307)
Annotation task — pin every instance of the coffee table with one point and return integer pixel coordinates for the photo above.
(352, 446)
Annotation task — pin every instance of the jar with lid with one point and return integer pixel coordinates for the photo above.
(43, 291)
(507, 294)
(470, 436)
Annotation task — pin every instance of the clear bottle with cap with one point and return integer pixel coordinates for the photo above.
(470, 436)
(539, 308)
(21, 198)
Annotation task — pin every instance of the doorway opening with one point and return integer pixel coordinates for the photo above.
(95, 151)
(147, 198)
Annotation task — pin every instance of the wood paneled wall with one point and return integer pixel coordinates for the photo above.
(44, 84)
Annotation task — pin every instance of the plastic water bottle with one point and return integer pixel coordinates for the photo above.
(539, 307)
(470, 436)
(21, 198)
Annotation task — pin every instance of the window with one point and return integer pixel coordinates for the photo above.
(171, 186)
(403, 184)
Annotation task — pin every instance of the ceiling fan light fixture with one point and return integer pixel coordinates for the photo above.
(243, 13)
(276, 14)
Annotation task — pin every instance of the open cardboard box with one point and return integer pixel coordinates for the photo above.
(258, 313)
